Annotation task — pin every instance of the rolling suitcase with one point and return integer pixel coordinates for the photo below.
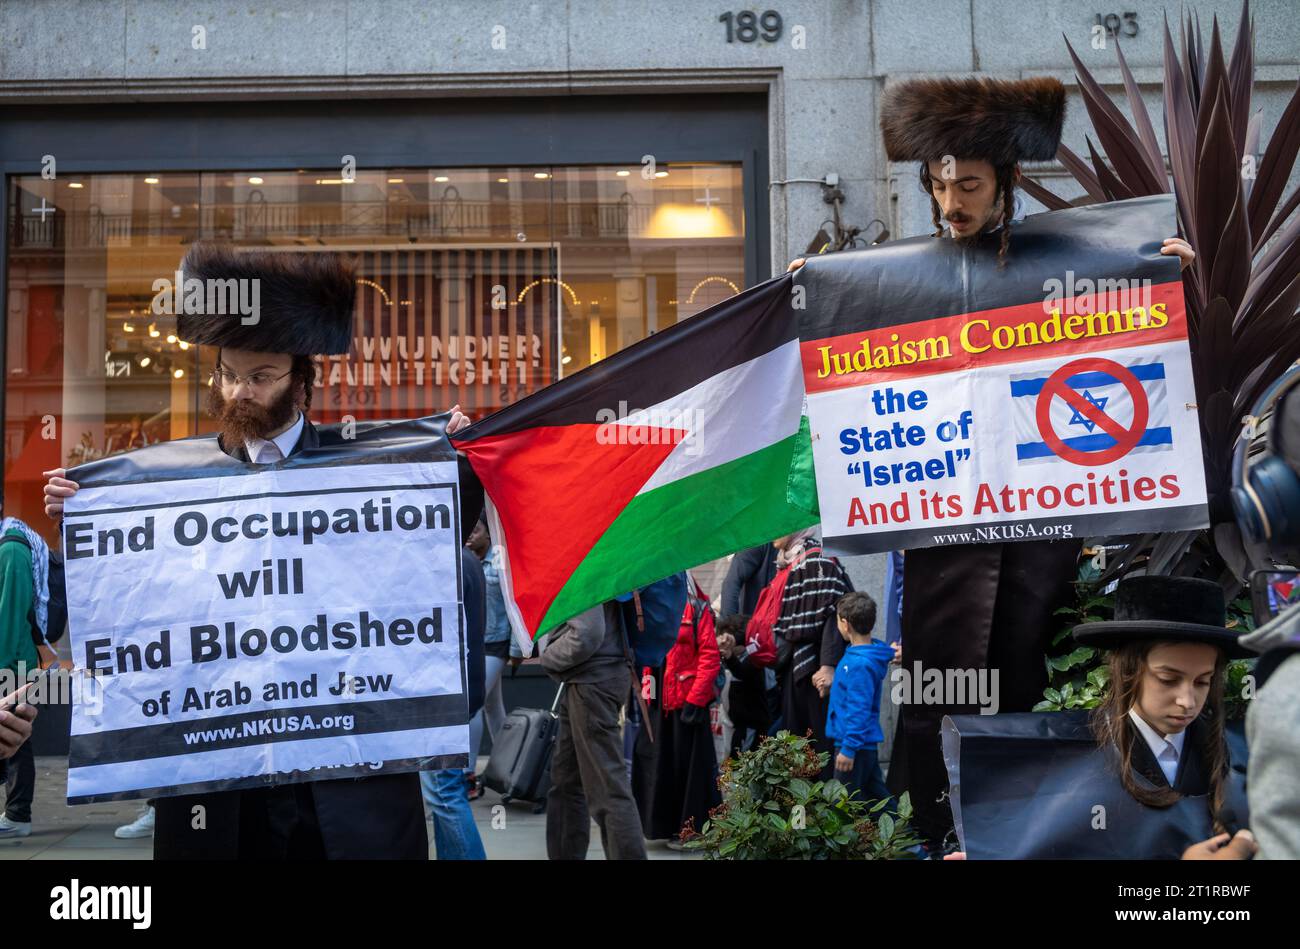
(520, 765)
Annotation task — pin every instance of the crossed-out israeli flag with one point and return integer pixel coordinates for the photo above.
(1076, 426)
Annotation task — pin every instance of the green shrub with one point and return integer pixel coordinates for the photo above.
(776, 807)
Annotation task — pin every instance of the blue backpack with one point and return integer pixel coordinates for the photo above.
(652, 616)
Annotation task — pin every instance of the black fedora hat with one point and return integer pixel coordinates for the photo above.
(1165, 609)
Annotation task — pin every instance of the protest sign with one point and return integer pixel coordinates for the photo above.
(954, 400)
(254, 624)
(1036, 786)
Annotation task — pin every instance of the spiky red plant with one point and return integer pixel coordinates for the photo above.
(1243, 290)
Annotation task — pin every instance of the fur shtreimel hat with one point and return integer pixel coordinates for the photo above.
(1165, 609)
(304, 301)
(999, 120)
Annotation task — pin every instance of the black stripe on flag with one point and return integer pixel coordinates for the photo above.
(727, 334)
(168, 739)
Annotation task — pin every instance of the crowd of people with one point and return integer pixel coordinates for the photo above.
(791, 645)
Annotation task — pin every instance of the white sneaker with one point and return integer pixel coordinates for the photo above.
(142, 826)
(11, 830)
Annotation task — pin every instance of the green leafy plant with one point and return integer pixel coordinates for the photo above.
(776, 807)
(1077, 675)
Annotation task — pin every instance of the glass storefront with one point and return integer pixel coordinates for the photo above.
(475, 286)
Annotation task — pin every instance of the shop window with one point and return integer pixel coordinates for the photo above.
(476, 286)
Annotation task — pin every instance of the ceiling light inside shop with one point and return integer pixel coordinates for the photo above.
(151, 181)
(128, 328)
(396, 181)
(178, 373)
(171, 337)
(144, 361)
(75, 184)
(540, 174)
(502, 180)
(676, 221)
(441, 178)
(623, 174)
(661, 174)
(153, 331)
(184, 345)
(254, 180)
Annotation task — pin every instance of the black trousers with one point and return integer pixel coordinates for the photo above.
(279, 823)
(803, 710)
(973, 606)
(864, 777)
(20, 784)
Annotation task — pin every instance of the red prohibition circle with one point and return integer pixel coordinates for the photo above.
(1125, 438)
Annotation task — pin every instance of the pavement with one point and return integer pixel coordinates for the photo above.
(85, 831)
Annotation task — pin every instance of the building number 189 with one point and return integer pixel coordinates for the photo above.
(744, 26)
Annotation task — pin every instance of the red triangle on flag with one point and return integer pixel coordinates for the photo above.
(564, 484)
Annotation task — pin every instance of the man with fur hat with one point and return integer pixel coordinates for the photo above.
(975, 606)
(260, 394)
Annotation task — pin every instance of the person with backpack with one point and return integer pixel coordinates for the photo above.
(806, 632)
(749, 572)
(589, 656)
(24, 618)
(675, 767)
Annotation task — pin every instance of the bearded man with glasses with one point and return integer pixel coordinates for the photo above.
(260, 393)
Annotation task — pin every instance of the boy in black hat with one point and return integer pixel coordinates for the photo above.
(1159, 742)
(1163, 710)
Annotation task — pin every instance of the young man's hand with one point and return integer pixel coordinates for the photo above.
(843, 762)
(1241, 847)
(457, 421)
(823, 678)
(15, 723)
(1177, 247)
(57, 490)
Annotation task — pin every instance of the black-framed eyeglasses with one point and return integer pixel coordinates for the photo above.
(257, 380)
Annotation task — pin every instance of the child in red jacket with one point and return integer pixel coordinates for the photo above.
(675, 776)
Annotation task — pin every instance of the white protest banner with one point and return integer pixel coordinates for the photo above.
(954, 399)
(273, 625)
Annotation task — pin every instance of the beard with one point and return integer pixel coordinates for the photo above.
(244, 419)
(973, 236)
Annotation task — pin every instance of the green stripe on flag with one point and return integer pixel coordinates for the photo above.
(743, 503)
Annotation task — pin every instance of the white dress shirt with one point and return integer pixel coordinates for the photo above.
(1167, 750)
(263, 452)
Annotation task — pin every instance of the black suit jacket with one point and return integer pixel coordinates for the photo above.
(380, 817)
(1192, 776)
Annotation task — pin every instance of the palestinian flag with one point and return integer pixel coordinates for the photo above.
(682, 448)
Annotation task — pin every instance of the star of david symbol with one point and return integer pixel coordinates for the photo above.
(1079, 419)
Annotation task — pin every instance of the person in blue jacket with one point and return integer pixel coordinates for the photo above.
(853, 722)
